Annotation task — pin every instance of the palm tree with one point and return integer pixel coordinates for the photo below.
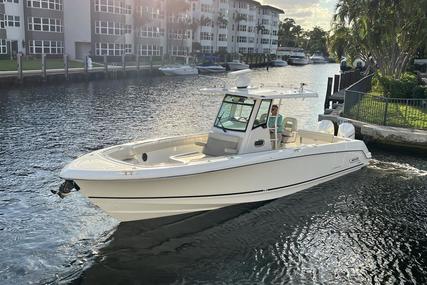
(389, 31)
(173, 8)
(237, 19)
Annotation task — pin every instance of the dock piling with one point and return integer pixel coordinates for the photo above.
(105, 66)
(19, 66)
(66, 66)
(44, 75)
(328, 93)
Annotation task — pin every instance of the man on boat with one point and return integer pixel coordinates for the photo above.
(272, 123)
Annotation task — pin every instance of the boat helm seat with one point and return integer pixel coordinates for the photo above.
(221, 144)
(289, 134)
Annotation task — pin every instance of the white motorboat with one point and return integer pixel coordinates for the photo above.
(279, 63)
(210, 68)
(236, 64)
(298, 60)
(179, 70)
(318, 58)
(243, 159)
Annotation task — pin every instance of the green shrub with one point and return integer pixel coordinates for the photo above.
(406, 87)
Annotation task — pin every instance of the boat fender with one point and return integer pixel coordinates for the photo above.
(66, 187)
(144, 157)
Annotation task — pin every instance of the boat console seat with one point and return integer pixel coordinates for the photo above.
(221, 144)
(289, 134)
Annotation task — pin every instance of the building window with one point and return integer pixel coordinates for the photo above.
(251, 39)
(108, 28)
(266, 50)
(206, 36)
(3, 47)
(46, 4)
(113, 7)
(151, 12)
(128, 29)
(265, 41)
(222, 37)
(11, 21)
(178, 50)
(265, 32)
(46, 47)
(2, 21)
(179, 34)
(10, 1)
(250, 50)
(128, 49)
(243, 50)
(149, 50)
(241, 28)
(206, 8)
(264, 22)
(207, 49)
(111, 49)
(242, 39)
(222, 49)
(45, 25)
(151, 32)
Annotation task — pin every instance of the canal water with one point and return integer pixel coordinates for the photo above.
(366, 227)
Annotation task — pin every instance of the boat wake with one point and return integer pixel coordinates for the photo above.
(405, 168)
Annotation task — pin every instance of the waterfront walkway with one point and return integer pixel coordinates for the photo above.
(405, 137)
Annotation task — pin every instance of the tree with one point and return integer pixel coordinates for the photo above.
(174, 8)
(387, 31)
(316, 41)
(237, 19)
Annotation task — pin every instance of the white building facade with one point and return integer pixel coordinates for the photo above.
(138, 27)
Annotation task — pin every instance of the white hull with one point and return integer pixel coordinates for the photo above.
(246, 178)
(211, 69)
(298, 61)
(279, 63)
(185, 70)
(233, 66)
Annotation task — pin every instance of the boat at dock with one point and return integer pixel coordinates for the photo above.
(179, 69)
(245, 157)
(279, 63)
(298, 60)
(236, 64)
(207, 68)
(318, 58)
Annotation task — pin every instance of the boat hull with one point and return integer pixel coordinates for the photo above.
(179, 71)
(298, 61)
(237, 66)
(207, 70)
(129, 200)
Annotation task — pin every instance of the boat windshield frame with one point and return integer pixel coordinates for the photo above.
(234, 101)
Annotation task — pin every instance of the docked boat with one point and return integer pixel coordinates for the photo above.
(207, 68)
(179, 70)
(237, 65)
(279, 63)
(318, 58)
(298, 60)
(244, 158)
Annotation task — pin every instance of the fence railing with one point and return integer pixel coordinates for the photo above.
(397, 112)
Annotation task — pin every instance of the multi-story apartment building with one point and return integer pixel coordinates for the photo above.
(12, 31)
(44, 26)
(235, 26)
(144, 27)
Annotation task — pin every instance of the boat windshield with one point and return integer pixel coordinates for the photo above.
(234, 113)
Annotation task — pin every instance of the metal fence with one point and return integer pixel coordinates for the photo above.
(397, 112)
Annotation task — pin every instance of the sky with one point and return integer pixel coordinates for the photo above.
(307, 13)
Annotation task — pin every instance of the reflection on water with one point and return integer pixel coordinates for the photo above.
(367, 227)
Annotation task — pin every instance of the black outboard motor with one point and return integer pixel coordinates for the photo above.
(66, 187)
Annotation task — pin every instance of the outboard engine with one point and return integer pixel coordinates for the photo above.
(326, 126)
(66, 187)
(346, 130)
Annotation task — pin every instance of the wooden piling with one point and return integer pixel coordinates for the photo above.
(328, 93)
(336, 82)
(19, 66)
(66, 66)
(44, 75)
